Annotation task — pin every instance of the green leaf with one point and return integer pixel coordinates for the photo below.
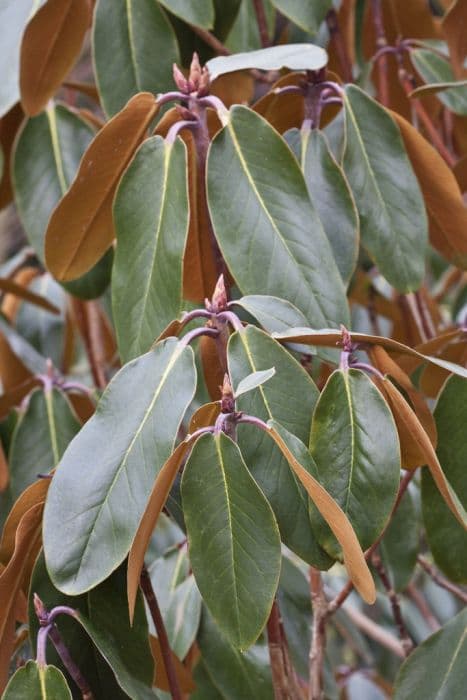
(100, 489)
(332, 198)
(390, 205)
(48, 150)
(33, 682)
(355, 446)
(233, 538)
(436, 670)
(40, 438)
(134, 48)
(436, 70)
(306, 14)
(253, 380)
(289, 397)
(273, 314)
(249, 162)
(199, 13)
(400, 544)
(446, 537)
(151, 220)
(205, 688)
(236, 675)
(293, 597)
(292, 56)
(244, 32)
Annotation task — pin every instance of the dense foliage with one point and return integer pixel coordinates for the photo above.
(233, 349)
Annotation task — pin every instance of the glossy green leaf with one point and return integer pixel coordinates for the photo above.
(436, 670)
(99, 491)
(400, 544)
(292, 56)
(435, 69)
(48, 150)
(134, 48)
(276, 223)
(235, 674)
(273, 314)
(355, 446)
(33, 682)
(446, 537)
(151, 221)
(289, 397)
(253, 380)
(205, 688)
(233, 538)
(40, 438)
(307, 14)
(390, 205)
(332, 198)
(199, 13)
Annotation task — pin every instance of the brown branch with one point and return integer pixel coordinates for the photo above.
(318, 635)
(381, 42)
(146, 587)
(406, 641)
(262, 22)
(374, 631)
(74, 671)
(284, 679)
(335, 35)
(211, 40)
(423, 606)
(87, 321)
(440, 580)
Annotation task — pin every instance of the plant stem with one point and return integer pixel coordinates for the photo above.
(318, 635)
(423, 606)
(211, 40)
(381, 42)
(440, 580)
(374, 631)
(406, 641)
(146, 587)
(70, 665)
(262, 22)
(283, 675)
(87, 321)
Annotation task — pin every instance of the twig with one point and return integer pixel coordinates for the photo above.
(381, 42)
(427, 321)
(374, 631)
(72, 668)
(406, 641)
(86, 317)
(341, 49)
(211, 40)
(146, 587)
(440, 580)
(283, 675)
(423, 606)
(262, 22)
(318, 635)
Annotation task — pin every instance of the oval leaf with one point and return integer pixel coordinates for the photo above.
(389, 201)
(273, 314)
(99, 491)
(292, 56)
(276, 222)
(435, 70)
(253, 380)
(233, 538)
(34, 682)
(151, 221)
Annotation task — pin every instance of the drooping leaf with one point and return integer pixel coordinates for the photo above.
(200, 13)
(355, 447)
(307, 15)
(9, 125)
(40, 438)
(10, 287)
(60, 25)
(446, 537)
(300, 460)
(387, 195)
(447, 213)
(400, 544)
(253, 380)
(34, 682)
(273, 314)
(292, 56)
(134, 40)
(455, 29)
(288, 397)
(32, 496)
(80, 229)
(276, 222)
(436, 669)
(100, 489)
(151, 220)
(233, 538)
(332, 198)
(161, 680)
(436, 70)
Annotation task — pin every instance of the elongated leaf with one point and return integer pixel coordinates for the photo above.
(151, 221)
(294, 602)
(244, 33)
(253, 380)
(60, 25)
(10, 287)
(400, 544)
(447, 212)
(307, 14)
(14, 15)
(454, 28)
(273, 314)
(9, 125)
(40, 438)
(292, 56)
(447, 539)
(303, 465)
(332, 198)
(434, 69)
(355, 447)
(32, 496)
(34, 682)
(134, 40)
(80, 229)
(233, 538)
(388, 198)
(161, 680)
(200, 13)
(100, 489)
(437, 668)
(456, 87)
(276, 222)
(288, 397)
